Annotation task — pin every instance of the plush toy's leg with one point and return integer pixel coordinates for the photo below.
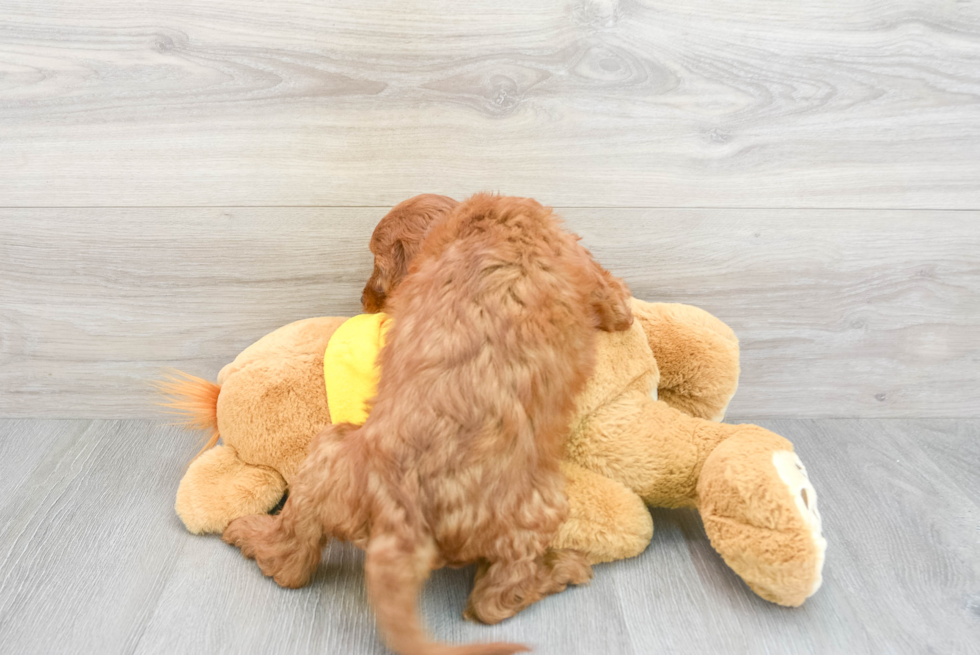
(654, 450)
(218, 487)
(606, 520)
(758, 506)
(760, 512)
(697, 356)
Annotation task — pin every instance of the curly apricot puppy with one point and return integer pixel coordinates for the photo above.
(458, 461)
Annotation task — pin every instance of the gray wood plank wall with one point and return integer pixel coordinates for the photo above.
(577, 102)
(177, 179)
(841, 312)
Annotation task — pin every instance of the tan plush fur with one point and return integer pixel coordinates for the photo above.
(686, 341)
(233, 488)
(272, 402)
(753, 523)
(458, 461)
(642, 447)
(623, 445)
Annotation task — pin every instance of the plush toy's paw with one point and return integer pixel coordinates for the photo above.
(794, 476)
(605, 519)
(218, 487)
(760, 512)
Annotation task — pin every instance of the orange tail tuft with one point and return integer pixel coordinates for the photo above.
(193, 398)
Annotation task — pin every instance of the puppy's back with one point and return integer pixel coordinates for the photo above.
(491, 342)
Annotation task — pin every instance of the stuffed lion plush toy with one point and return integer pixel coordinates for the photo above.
(646, 432)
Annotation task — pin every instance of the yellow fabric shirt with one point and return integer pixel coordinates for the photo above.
(350, 366)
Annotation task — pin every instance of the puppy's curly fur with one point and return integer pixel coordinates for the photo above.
(397, 240)
(458, 461)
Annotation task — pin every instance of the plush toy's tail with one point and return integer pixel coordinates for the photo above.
(194, 399)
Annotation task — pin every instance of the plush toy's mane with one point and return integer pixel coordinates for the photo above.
(194, 399)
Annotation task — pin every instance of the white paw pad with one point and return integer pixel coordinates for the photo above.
(793, 474)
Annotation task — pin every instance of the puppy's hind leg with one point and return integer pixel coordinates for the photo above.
(502, 589)
(287, 546)
(283, 547)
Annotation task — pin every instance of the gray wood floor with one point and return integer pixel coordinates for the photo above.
(93, 559)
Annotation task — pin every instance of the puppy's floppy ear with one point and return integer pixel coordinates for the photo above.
(389, 269)
(399, 265)
(397, 240)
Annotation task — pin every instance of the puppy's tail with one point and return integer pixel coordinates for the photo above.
(397, 564)
(195, 400)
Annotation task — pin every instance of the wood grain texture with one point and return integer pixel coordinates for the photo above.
(840, 313)
(686, 103)
(92, 559)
